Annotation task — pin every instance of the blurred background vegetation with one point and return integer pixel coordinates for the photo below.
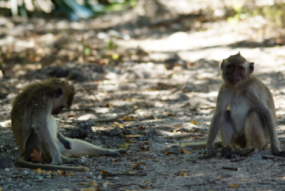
(232, 10)
(73, 9)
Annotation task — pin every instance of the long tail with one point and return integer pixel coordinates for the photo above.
(200, 144)
(21, 161)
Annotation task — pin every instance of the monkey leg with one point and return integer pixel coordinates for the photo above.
(227, 133)
(255, 132)
(35, 142)
(82, 148)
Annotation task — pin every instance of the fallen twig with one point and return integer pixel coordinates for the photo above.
(123, 174)
(185, 135)
(100, 120)
(202, 184)
(267, 157)
(230, 168)
(237, 159)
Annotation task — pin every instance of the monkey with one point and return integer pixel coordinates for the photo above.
(245, 112)
(244, 115)
(34, 126)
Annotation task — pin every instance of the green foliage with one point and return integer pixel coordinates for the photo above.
(111, 44)
(76, 11)
(240, 13)
(274, 13)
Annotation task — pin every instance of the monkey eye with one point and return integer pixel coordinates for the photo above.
(238, 68)
(230, 67)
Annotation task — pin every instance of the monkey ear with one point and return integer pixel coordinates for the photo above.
(222, 65)
(56, 93)
(251, 67)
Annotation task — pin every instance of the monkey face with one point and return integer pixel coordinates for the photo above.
(234, 73)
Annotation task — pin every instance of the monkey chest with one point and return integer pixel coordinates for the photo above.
(239, 111)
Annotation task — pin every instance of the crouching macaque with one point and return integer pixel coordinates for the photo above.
(34, 127)
(245, 112)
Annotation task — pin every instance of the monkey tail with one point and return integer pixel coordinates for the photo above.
(200, 144)
(22, 162)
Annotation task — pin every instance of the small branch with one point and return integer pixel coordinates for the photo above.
(267, 157)
(202, 184)
(185, 135)
(237, 159)
(123, 174)
(100, 120)
(230, 168)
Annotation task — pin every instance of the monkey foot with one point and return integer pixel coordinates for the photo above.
(280, 154)
(117, 152)
(227, 152)
(208, 156)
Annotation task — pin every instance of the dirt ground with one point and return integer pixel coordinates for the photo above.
(162, 80)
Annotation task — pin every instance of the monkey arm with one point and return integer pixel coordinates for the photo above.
(39, 115)
(63, 141)
(217, 121)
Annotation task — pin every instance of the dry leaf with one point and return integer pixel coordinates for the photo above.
(107, 105)
(132, 136)
(38, 170)
(105, 184)
(129, 118)
(135, 165)
(60, 171)
(220, 178)
(141, 128)
(145, 143)
(183, 173)
(129, 172)
(36, 155)
(116, 124)
(81, 183)
(104, 172)
(194, 122)
(1, 189)
(92, 184)
(90, 189)
(145, 187)
(184, 151)
(234, 185)
(190, 64)
(144, 148)
(72, 116)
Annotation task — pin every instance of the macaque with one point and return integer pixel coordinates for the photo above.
(245, 111)
(34, 127)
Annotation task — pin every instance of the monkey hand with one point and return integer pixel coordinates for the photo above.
(56, 160)
(208, 156)
(67, 160)
(114, 152)
(227, 152)
(66, 144)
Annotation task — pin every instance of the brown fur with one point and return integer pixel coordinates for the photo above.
(245, 111)
(34, 127)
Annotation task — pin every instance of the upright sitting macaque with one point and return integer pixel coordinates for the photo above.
(245, 112)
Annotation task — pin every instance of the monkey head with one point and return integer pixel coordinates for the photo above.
(61, 94)
(236, 70)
